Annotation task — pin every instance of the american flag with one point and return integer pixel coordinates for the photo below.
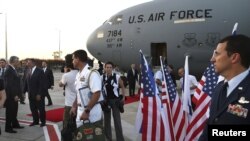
(202, 97)
(151, 104)
(177, 116)
(166, 113)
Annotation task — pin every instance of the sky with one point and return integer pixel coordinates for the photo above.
(33, 26)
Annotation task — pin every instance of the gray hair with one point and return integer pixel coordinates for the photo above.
(13, 59)
(2, 60)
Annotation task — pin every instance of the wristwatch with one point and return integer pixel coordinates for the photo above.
(87, 110)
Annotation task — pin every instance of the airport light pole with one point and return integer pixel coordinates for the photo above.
(59, 53)
(6, 39)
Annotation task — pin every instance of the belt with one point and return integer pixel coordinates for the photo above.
(80, 105)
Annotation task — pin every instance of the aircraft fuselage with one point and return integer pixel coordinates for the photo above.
(172, 29)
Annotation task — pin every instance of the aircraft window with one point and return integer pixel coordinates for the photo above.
(100, 35)
(115, 20)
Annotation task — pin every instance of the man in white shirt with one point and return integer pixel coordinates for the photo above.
(68, 82)
(158, 80)
(192, 81)
(86, 106)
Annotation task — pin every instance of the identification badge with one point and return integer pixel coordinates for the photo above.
(82, 79)
(243, 100)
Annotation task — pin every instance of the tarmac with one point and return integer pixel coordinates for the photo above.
(51, 132)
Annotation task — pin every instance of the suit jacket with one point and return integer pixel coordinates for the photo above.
(49, 78)
(2, 71)
(35, 84)
(132, 77)
(12, 83)
(224, 115)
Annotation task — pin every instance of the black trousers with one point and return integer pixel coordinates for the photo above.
(48, 97)
(117, 120)
(22, 99)
(38, 106)
(131, 88)
(11, 114)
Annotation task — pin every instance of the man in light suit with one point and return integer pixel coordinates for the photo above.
(230, 103)
(49, 81)
(13, 92)
(36, 88)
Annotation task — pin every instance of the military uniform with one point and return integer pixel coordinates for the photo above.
(92, 130)
(235, 108)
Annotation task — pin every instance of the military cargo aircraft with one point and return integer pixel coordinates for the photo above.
(169, 28)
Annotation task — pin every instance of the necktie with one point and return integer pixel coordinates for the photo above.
(2, 72)
(29, 73)
(224, 90)
(223, 94)
(16, 71)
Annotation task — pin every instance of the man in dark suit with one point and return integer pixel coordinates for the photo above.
(132, 78)
(230, 103)
(13, 91)
(35, 86)
(23, 75)
(2, 67)
(49, 81)
(2, 96)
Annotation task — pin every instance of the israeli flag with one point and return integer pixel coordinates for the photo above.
(235, 29)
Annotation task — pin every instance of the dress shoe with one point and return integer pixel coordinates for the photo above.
(49, 104)
(18, 127)
(10, 131)
(42, 124)
(34, 123)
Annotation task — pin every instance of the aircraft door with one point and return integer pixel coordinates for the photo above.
(157, 50)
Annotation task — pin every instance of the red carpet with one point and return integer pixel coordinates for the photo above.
(56, 115)
(130, 99)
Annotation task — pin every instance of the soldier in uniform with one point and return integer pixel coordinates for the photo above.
(230, 103)
(86, 106)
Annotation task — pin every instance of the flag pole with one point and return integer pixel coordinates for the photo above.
(187, 106)
(168, 101)
(165, 86)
